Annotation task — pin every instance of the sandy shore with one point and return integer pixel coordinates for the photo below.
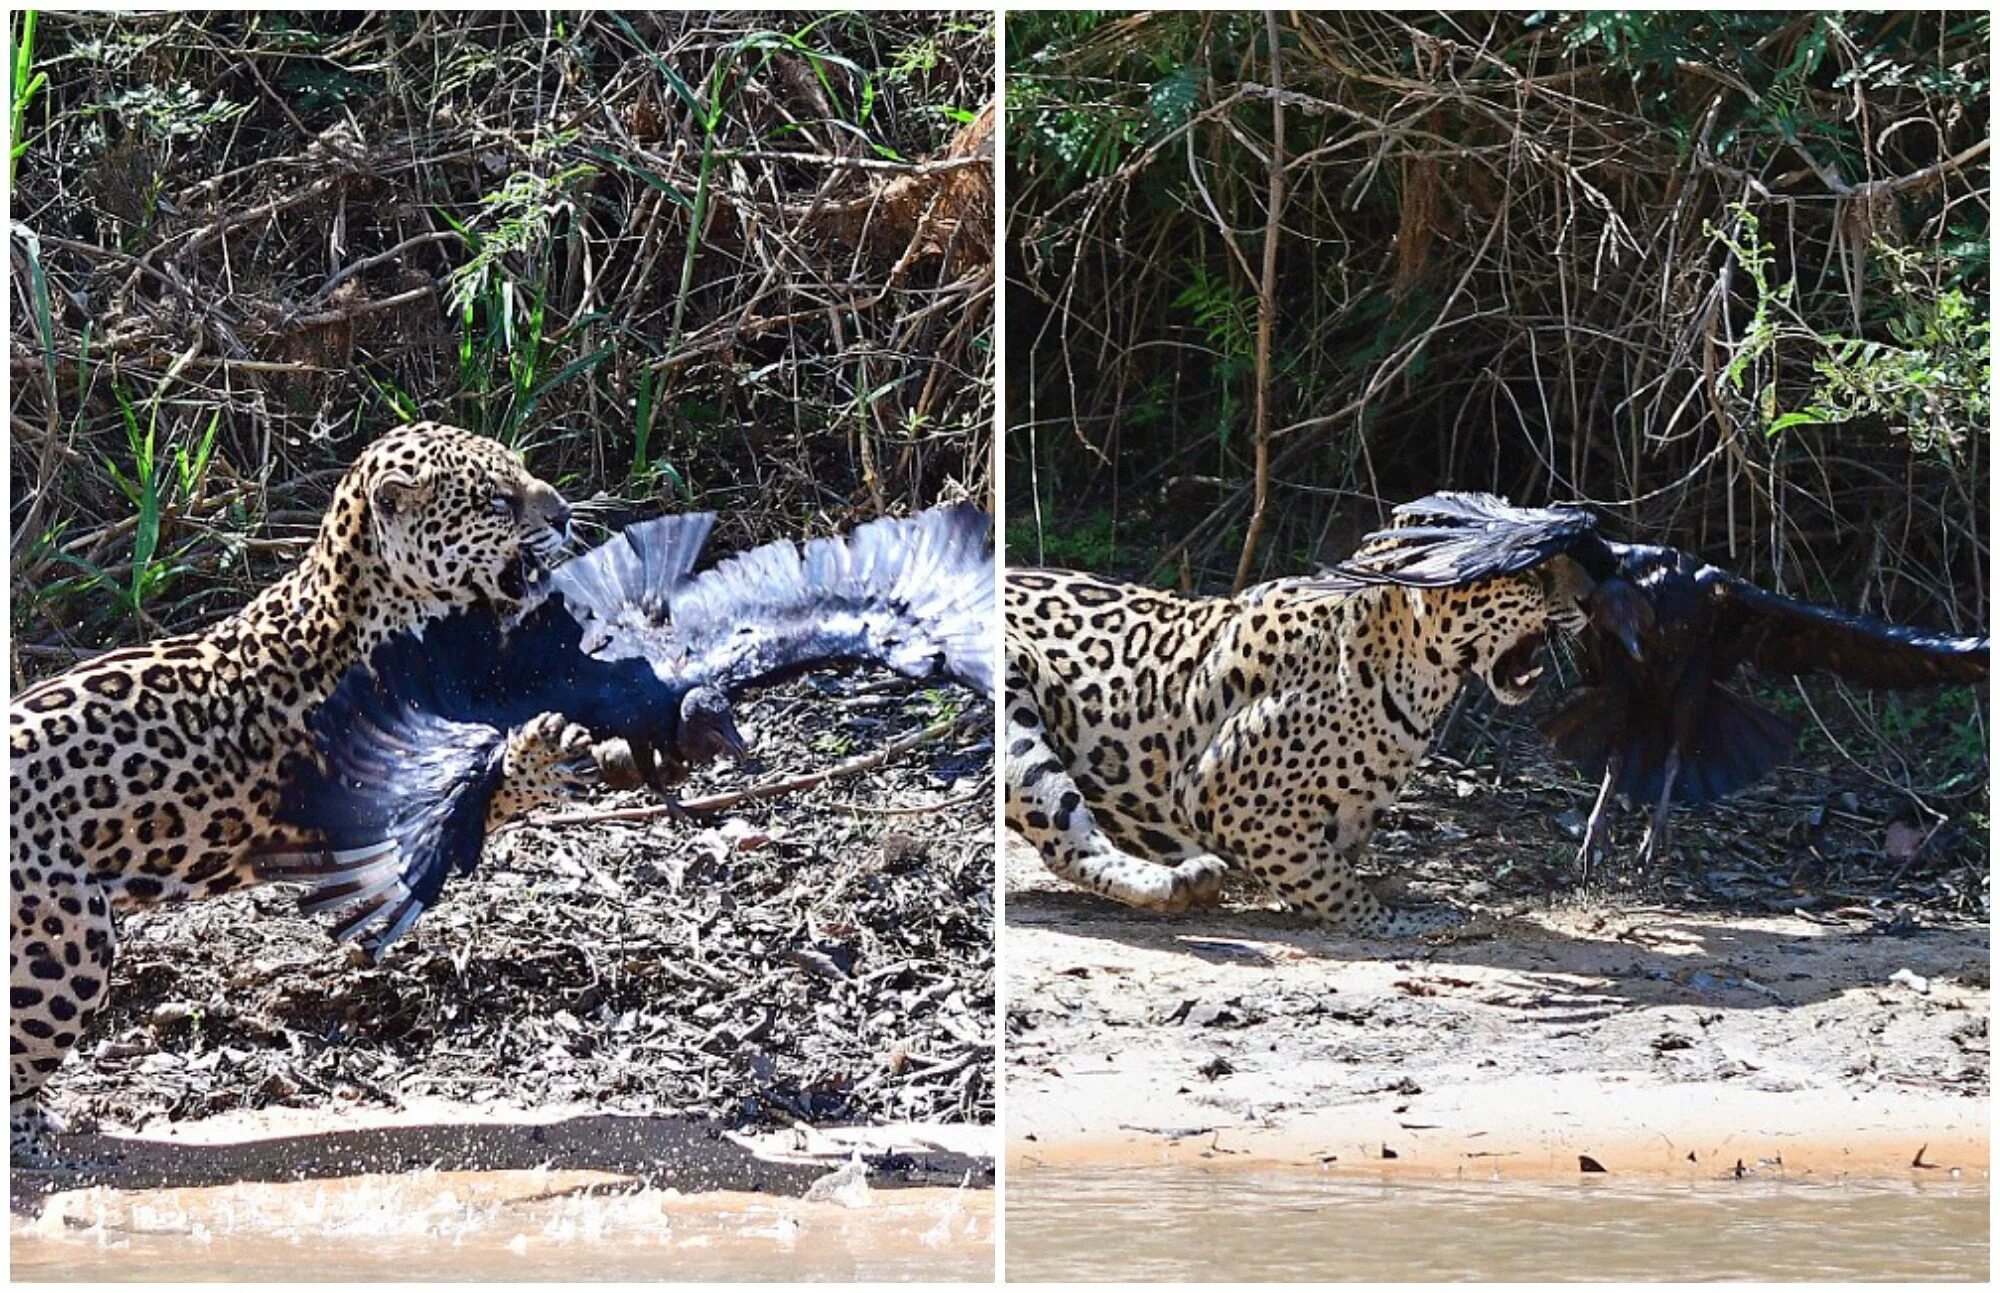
(1653, 1042)
(1527, 1127)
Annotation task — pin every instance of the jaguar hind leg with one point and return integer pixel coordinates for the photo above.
(1045, 805)
(1303, 852)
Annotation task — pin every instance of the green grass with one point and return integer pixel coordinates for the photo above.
(22, 87)
(587, 312)
(934, 706)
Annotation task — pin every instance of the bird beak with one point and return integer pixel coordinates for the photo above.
(733, 743)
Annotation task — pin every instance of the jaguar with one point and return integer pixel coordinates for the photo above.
(1156, 741)
(154, 773)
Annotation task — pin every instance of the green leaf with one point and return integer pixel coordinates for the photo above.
(38, 282)
(648, 177)
(1786, 421)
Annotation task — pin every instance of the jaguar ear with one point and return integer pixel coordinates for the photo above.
(397, 491)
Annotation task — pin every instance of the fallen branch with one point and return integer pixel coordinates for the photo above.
(918, 810)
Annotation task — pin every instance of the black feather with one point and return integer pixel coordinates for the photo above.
(1454, 538)
(400, 801)
(1784, 636)
(621, 590)
(1664, 633)
(914, 596)
(413, 746)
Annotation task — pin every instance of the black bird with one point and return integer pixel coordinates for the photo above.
(1663, 633)
(630, 645)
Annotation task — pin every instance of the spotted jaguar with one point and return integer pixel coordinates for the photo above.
(1155, 741)
(154, 773)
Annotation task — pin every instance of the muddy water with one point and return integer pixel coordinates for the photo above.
(499, 1226)
(1187, 1224)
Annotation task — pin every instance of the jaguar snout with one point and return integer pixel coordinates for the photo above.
(1518, 670)
(549, 511)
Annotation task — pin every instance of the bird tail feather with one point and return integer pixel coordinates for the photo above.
(1734, 742)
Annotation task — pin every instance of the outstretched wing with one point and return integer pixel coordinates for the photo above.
(1451, 538)
(621, 591)
(1782, 635)
(412, 749)
(399, 798)
(914, 595)
(412, 746)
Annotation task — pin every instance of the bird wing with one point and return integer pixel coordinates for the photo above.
(621, 590)
(399, 797)
(412, 745)
(915, 595)
(1782, 635)
(1452, 538)
(411, 751)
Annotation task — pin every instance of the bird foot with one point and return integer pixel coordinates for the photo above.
(630, 765)
(619, 765)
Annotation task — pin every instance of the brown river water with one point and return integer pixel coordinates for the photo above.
(500, 1226)
(1188, 1224)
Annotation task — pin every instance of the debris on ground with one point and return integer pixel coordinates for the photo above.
(841, 973)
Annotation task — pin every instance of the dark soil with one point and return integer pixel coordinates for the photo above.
(810, 958)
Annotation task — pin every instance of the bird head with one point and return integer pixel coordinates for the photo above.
(1624, 611)
(708, 728)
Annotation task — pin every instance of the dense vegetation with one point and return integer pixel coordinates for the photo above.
(737, 261)
(1723, 275)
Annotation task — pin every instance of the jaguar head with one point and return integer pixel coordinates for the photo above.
(456, 520)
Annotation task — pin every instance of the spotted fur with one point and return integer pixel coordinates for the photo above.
(153, 773)
(1155, 741)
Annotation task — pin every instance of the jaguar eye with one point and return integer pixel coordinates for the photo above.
(504, 504)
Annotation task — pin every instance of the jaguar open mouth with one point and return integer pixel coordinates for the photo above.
(1518, 669)
(528, 575)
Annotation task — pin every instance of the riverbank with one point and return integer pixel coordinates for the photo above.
(1646, 1036)
(446, 1191)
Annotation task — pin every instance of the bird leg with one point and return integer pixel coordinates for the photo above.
(1657, 830)
(628, 765)
(1597, 833)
